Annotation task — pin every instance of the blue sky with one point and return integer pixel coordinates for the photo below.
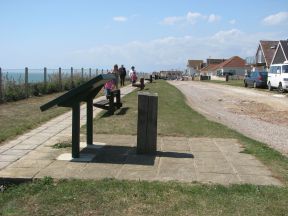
(151, 34)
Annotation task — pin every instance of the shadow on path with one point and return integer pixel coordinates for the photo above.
(127, 155)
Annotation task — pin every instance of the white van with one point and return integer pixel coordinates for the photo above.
(278, 77)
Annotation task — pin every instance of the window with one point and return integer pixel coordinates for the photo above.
(285, 69)
(273, 69)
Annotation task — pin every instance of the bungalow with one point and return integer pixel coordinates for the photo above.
(281, 53)
(233, 66)
(265, 53)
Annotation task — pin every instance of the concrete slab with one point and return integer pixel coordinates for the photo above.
(16, 152)
(24, 163)
(26, 173)
(82, 158)
(260, 180)
(218, 178)
(253, 170)
(3, 164)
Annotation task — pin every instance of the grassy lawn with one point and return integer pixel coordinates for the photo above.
(115, 197)
(21, 116)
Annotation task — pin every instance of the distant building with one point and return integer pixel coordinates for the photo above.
(194, 66)
(233, 66)
(214, 61)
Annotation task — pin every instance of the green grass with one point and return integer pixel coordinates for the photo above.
(175, 117)
(20, 116)
(114, 197)
(61, 145)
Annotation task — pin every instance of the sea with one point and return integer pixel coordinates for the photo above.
(37, 75)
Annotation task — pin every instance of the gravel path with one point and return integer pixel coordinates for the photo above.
(260, 115)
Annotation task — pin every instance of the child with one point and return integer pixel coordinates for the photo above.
(134, 77)
(108, 87)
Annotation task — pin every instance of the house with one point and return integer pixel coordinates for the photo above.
(233, 66)
(281, 53)
(193, 66)
(264, 54)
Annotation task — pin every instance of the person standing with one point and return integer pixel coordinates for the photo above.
(122, 72)
(116, 73)
(131, 72)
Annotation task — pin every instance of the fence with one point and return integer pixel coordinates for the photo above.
(18, 84)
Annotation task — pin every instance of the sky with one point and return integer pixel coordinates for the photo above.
(152, 35)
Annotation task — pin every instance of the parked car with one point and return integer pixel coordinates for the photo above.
(278, 77)
(256, 79)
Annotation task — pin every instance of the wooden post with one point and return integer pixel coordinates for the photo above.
(45, 79)
(89, 132)
(72, 78)
(142, 83)
(76, 130)
(82, 73)
(102, 71)
(89, 73)
(1, 86)
(71, 74)
(96, 72)
(111, 103)
(60, 79)
(26, 83)
(147, 122)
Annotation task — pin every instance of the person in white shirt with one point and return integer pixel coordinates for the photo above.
(131, 72)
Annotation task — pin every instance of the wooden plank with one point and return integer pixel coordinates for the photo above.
(102, 102)
(81, 93)
(76, 130)
(89, 119)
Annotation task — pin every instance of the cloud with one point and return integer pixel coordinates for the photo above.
(172, 20)
(194, 17)
(232, 22)
(190, 18)
(120, 19)
(213, 18)
(276, 19)
(172, 52)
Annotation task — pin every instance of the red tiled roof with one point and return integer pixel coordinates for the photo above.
(235, 61)
(209, 67)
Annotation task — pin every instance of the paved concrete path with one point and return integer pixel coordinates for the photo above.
(178, 158)
(207, 160)
(55, 130)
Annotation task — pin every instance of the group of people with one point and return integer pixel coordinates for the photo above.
(119, 73)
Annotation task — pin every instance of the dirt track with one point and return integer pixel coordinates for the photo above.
(260, 115)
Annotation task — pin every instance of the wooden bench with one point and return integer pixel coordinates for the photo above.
(110, 104)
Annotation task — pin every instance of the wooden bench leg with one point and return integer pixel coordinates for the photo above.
(118, 99)
(111, 104)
